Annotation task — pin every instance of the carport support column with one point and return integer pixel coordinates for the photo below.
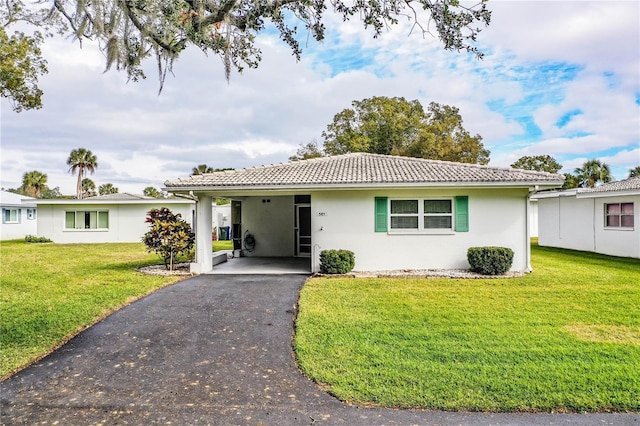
(204, 251)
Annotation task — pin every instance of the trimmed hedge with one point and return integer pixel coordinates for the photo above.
(35, 239)
(490, 260)
(336, 261)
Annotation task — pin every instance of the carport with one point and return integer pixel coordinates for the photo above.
(262, 265)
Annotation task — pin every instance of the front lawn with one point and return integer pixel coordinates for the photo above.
(49, 292)
(565, 338)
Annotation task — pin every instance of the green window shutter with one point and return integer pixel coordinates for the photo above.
(381, 214)
(462, 213)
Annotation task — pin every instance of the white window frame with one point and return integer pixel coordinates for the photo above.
(75, 212)
(619, 215)
(421, 215)
(4, 217)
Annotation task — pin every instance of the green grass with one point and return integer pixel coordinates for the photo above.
(222, 245)
(565, 338)
(48, 292)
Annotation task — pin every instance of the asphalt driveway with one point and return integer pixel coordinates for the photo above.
(208, 350)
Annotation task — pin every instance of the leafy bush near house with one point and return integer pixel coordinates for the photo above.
(34, 239)
(336, 261)
(169, 235)
(490, 260)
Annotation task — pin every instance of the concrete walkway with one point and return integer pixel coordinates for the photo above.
(208, 350)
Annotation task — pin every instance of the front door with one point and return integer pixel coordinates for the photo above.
(303, 230)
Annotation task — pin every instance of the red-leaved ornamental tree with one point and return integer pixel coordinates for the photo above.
(168, 236)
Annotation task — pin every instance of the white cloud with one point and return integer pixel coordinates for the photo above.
(262, 116)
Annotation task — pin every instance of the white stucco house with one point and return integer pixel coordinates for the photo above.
(605, 219)
(392, 212)
(114, 218)
(19, 214)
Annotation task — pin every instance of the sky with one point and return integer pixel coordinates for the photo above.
(559, 78)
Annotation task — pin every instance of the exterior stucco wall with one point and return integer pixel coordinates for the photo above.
(26, 226)
(566, 222)
(270, 219)
(345, 220)
(617, 242)
(578, 224)
(126, 222)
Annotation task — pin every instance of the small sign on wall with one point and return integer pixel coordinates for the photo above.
(321, 214)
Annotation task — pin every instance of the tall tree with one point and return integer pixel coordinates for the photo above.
(52, 193)
(129, 31)
(107, 188)
(378, 125)
(34, 183)
(592, 173)
(308, 151)
(81, 161)
(539, 163)
(570, 181)
(150, 191)
(201, 169)
(635, 172)
(21, 61)
(383, 125)
(21, 64)
(88, 188)
(444, 138)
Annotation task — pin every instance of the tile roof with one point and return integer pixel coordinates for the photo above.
(620, 185)
(120, 196)
(12, 199)
(362, 168)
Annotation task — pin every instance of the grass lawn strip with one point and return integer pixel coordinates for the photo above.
(51, 292)
(551, 341)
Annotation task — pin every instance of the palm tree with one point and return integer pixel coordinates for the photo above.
(107, 188)
(201, 169)
(33, 183)
(635, 172)
(593, 172)
(88, 188)
(81, 160)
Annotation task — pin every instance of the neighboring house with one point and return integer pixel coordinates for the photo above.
(604, 219)
(392, 212)
(113, 218)
(19, 215)
(222, 219)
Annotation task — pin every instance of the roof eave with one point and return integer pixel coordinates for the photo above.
(357, 186)
(107, 202)
(600, 194)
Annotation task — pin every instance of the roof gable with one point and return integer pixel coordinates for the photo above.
(12, 199)
(363, 169)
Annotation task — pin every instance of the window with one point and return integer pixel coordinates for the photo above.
(31, 214)
(86, 220)
(618, 215)
(404, 214)
(422, 214)
(11, 215)
(438, 214)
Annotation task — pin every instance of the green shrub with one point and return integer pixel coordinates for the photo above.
(169, 236)
(336, 261)
(490, 260)
(34, 239)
